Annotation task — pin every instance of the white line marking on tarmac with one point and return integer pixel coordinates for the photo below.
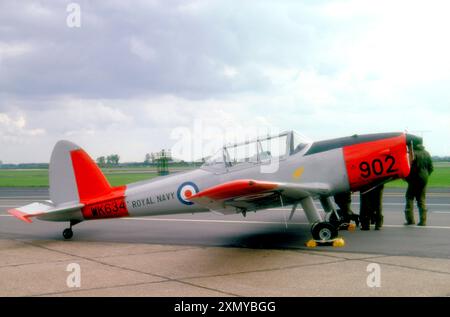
(259, 222)
(24, 198)
(419, 227)
(403, 195)
(215, 221)
(402, 204)
(9, 201)
(250, 222)
(319, 209)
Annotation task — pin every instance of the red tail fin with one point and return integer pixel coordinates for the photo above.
(90, 180)
(76, 180)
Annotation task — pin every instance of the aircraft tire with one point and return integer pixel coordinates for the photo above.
(68, 234)
(324, 231)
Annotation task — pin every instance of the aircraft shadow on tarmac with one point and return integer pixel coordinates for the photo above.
(261, 237)
(409, 241)
(270, 239)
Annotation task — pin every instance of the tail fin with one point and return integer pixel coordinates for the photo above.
(76, 184)
(73, 175)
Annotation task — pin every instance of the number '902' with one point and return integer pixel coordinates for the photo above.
(378, 167)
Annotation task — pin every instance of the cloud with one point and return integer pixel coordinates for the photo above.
(132, 74)
(142, 50)
(11, 50)
(15, 130)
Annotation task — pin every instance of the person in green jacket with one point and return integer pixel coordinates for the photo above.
(421, 169)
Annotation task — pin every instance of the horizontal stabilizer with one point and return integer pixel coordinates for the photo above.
(46, 209)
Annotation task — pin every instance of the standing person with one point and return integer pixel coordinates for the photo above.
(371, 207)
(421, 169)
(377, 200)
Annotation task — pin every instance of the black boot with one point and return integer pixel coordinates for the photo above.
(423, 218)
(379, 223)
(365, 222)
(365, 225)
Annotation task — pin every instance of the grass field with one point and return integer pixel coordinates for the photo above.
(39, 178)
(439, 178)
(116, 177)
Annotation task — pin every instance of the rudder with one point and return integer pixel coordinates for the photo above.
(73, 176)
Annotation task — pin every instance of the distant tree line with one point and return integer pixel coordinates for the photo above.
(108, 161)
(24, 166)
(441, 158)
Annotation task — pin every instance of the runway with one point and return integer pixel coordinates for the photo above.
(213, 255)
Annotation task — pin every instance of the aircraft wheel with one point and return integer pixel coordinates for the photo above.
(67, 233)
(324, 231)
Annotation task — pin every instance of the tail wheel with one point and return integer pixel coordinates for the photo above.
(67, 233)
(324, 231)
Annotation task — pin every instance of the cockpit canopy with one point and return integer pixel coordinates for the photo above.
(259, 151)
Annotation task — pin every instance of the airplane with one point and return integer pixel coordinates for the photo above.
(271, 171)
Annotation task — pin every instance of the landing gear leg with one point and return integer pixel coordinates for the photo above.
(68, 233)
(321, 230)
(311, 211)
(336, 217)
(333, 215)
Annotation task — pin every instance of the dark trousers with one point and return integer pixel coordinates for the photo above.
(417, 192)
(371, 208)
(344, 201)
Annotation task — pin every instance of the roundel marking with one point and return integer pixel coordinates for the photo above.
(185, 191)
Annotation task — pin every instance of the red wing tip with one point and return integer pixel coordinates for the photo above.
(20, 215)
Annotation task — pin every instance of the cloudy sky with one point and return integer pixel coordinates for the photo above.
(138, 76)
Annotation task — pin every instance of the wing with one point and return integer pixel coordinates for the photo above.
(247, 194)
(43, 210)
